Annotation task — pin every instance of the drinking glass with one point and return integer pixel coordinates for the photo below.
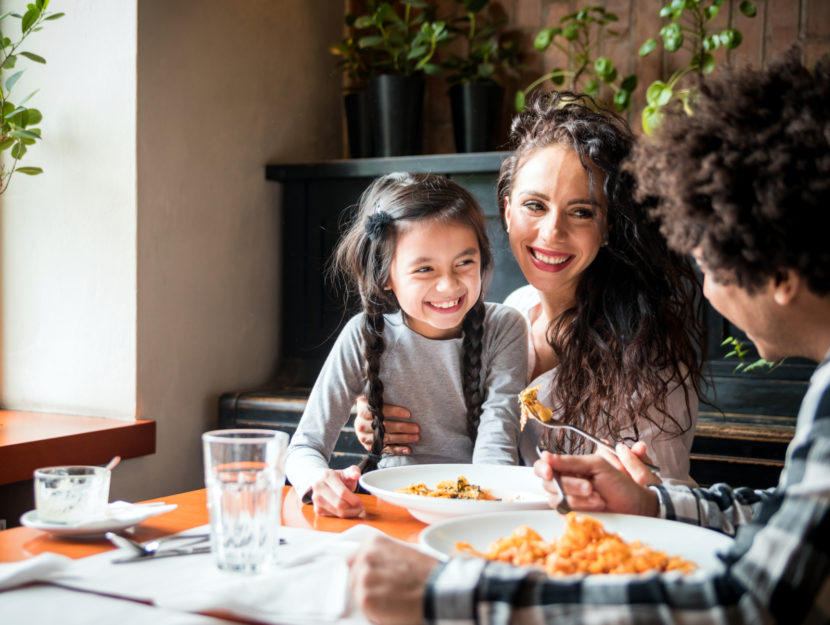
(71, 494)
(244, 476)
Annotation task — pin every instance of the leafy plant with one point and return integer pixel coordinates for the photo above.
(405, 43)
(489, 52)
(740, 351)
(688, 29)
(18, 123)
(353, 61)
(574, 37)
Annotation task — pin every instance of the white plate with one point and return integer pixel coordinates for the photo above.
(517, 487)
(677, 539)
(120, 516)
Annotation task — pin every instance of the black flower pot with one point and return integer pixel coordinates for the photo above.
(358, 124)
(476, 116)
(395, 104)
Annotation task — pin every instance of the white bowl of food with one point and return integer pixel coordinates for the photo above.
(502, 535)
(510, 488)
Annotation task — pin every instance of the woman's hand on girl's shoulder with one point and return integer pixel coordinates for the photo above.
(399, 434)
(333, 493)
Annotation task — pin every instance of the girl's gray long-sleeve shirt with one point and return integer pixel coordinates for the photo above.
(423, 375)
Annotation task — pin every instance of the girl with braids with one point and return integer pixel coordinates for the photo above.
(615, 334)
(417, 254)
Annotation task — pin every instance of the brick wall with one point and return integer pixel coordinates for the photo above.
(778, 24)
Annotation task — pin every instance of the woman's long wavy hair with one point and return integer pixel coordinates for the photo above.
(363, 258)
(635, 330)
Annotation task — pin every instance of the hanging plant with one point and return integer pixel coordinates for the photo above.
(578, 36)
(688, 29)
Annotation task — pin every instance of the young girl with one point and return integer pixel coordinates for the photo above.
(417, 254)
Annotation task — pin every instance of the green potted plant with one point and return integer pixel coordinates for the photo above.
(403, 37)
(688, 30)
(19, 123)
(578, 36)
(357, 64)
(476, 95)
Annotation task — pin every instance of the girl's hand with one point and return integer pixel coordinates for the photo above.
(630, 460)
(398, 433)
(592, 484)
(333, 493)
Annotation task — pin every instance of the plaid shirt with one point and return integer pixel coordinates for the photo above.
(778, 569)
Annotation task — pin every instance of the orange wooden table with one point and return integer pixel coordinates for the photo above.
(24, 542)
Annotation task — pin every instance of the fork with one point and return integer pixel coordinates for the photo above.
(152, 548)
(563, 507)
(556, 424)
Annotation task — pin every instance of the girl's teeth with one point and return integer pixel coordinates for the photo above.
(445, 304)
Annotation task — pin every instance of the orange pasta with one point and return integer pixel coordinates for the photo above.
(584, 547)
(450, 489)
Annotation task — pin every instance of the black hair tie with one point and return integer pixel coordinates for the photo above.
(376, 224)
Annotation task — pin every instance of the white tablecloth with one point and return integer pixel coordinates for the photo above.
(310, 585)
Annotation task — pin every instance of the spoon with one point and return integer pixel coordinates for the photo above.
(113, 463)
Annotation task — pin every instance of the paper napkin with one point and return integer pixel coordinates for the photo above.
(40, 568)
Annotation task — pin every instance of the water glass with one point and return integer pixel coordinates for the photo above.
(244, 476)
(71, 494)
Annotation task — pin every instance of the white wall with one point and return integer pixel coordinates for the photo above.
(176, 228)
(223, 88)
(68, 236)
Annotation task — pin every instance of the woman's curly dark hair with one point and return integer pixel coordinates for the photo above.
(635, 329)
(746, 178)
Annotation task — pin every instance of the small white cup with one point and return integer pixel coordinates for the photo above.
(244, 476)
(71, 494)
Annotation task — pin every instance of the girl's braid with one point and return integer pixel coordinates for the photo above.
(373, 346)
(471, 365)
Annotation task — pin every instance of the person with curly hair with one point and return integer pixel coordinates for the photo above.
(744, 184)
(615, 332)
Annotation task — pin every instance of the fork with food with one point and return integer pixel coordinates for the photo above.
(532, 408)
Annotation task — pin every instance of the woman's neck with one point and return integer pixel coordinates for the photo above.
(555, 303)
(551, 306)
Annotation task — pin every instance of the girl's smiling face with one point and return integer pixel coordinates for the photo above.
(556, 226)
(436, 276)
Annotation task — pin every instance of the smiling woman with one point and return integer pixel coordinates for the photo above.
(613, 325)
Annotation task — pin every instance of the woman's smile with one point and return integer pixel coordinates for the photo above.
(549, 261)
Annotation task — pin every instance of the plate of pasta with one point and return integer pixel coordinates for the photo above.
(580, 543)
(433, 492)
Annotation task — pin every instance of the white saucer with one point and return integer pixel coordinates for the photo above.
(120, 516)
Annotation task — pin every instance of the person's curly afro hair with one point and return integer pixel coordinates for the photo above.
(746, 177)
